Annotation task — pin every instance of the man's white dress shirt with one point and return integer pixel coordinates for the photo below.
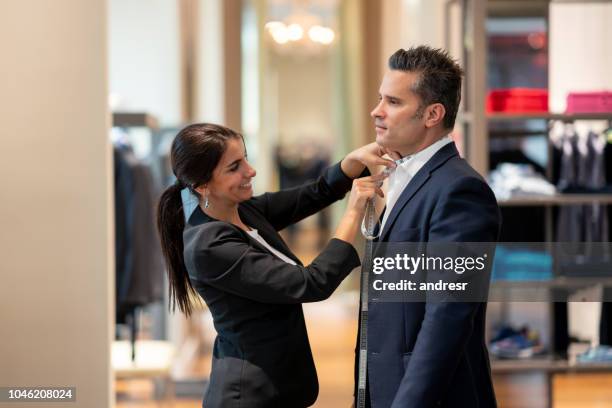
(404, 172)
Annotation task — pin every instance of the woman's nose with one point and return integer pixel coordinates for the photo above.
(251, 171)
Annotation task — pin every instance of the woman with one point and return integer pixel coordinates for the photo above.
(232, 256)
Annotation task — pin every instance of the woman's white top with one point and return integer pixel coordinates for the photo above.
(255, 235)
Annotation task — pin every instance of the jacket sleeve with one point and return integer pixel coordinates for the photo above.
(467, 213)
(289, 206)
(221, 257)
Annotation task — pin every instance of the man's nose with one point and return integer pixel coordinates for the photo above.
(377, 111)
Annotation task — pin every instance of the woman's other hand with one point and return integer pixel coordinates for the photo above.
(364, 189)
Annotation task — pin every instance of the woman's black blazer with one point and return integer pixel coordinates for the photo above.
(261, 356)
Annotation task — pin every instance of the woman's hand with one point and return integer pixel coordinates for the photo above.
(364, 189)
(370, 156)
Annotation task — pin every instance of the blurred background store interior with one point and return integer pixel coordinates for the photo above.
(93, 93)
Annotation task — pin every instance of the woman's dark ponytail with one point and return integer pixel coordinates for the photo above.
(196, 150)
(170, 224)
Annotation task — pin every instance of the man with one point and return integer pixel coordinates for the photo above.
(428, 354)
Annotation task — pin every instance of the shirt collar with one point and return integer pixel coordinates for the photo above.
(406, 168)
(413, 163)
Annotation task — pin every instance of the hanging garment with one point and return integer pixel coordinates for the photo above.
(139, 263)
(596, 215)
(570, 223)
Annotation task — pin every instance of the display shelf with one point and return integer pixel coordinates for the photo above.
(154, 360)
(500, 117)
(467, 117)
(479, 128)
(134, 119)
(540, 363)
(556, 200)
(545, 364)
(564, 282)
(516, 133)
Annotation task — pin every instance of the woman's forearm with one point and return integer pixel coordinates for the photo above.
(349, 225)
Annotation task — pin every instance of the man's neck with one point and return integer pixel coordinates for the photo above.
(428, 142)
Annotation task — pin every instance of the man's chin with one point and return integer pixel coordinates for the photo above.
(383, 140)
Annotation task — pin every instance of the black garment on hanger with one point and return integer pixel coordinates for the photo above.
(139, 263)
(583, 172)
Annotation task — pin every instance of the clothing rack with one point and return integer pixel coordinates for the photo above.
(560, 199)
(133, 332)
(565, 117)
(141, 266)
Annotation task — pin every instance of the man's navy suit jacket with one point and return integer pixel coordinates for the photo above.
(434, 354)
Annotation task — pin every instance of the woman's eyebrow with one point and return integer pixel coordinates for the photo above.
(234, 162)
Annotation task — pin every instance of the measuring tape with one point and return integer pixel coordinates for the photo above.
(370, 231)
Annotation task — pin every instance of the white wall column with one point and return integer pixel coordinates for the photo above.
(217, 64)
(56, 307)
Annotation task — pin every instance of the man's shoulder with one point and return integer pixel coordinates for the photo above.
(457, 177)
(456, 170)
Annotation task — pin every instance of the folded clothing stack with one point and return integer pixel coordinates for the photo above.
(517, 100)
(514, 264)
(510, 343)
(589, 102)
(519, 180)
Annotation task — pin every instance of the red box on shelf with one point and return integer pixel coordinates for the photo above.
(517, 100)
(589, 102)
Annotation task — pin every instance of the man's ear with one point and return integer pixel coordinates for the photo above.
(434, 114)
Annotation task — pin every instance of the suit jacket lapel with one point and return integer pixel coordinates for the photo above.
(413, 186)
(438, 159)
(380, 218)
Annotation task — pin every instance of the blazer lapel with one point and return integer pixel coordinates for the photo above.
(438, 159)
(261, 225)
(267, 232)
